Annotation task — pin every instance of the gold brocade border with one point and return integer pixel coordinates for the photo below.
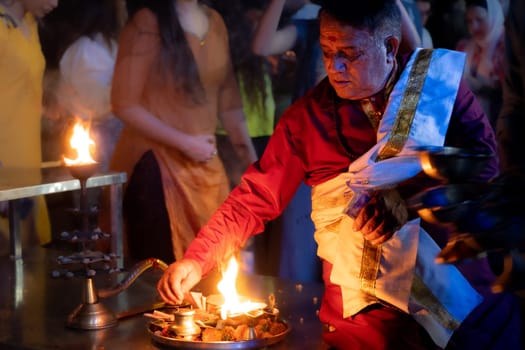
(396, 141)
(407, 109)
(369, 267)
(424, 296)
(373, 116)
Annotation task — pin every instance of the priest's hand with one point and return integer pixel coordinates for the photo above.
(178, 279)
(381, 216)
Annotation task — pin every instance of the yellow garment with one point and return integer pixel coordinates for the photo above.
(260, 117)
(21, 83)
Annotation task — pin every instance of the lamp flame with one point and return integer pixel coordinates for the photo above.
(232, 302)
(81, 143)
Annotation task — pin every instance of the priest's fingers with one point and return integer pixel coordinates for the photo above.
(177, 280)
(366, 219)
(379, 235)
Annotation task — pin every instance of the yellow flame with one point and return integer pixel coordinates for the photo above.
(232, 302)
(81, 142)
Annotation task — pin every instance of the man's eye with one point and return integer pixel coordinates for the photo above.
(326, 52)
(350, 57)
(353, 56)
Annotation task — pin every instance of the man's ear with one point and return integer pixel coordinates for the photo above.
(392, 46)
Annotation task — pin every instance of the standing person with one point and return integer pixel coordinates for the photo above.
(354, 132)
(173, 79)
(301, 34)
(485, 50)
(505, 199)
(447, 23)
(22, 67)
(79, 41)
(252, 72)
(86, 51)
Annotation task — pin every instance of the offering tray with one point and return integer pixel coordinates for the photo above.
(259, 331)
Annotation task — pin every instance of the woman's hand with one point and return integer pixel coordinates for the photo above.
(178, 279)
(199, 148)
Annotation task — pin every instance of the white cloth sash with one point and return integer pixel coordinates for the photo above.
(405, 275)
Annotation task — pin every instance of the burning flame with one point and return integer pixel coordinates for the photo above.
(232, 302)
(81, 142)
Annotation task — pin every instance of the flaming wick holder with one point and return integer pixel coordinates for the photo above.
(83, 172)
(90, 314)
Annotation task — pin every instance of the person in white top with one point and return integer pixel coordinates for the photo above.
(80, 40)
(86, 69)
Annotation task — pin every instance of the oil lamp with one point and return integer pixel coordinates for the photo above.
(83, 166)
(91, 314)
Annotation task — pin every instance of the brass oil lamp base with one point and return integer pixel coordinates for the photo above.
(91, 314)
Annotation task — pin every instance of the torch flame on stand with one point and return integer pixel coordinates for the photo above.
(232, 302)
(81, 142)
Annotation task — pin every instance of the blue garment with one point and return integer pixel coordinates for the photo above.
(298, 258)
(310, 66)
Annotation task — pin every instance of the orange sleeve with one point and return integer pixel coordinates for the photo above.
(139, 46)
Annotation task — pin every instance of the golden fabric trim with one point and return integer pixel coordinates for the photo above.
(424, 296)
(407, 109)
(372, 112)
(369, 267)
(405, 117)
(373, 115)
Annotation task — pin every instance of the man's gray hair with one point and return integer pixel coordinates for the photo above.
(375, 16)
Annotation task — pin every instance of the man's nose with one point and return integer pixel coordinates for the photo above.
(339, 63)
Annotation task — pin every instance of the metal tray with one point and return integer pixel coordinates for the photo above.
(217, 345)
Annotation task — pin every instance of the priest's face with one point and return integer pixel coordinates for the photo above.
(358, 63)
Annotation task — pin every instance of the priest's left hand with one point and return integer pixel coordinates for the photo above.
(384, 213)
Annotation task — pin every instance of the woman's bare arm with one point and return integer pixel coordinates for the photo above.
(268, 39)
(199, 148)
(410, 38)
(234, 122)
